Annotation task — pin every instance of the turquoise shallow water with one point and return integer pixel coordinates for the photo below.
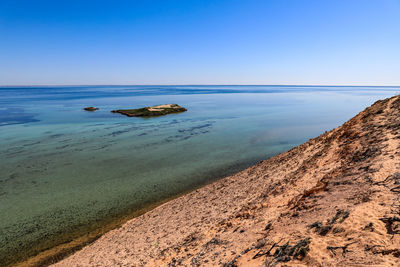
(65, 171)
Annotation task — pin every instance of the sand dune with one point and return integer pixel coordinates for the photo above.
(333, 201)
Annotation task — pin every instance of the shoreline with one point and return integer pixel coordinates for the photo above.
(61, 251)
(299, 207)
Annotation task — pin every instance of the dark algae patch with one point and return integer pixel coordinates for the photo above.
(12, 116)
(151, 111)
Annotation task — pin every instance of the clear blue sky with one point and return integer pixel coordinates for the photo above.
(328, 42)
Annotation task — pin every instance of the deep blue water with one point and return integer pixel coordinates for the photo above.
(64, 170)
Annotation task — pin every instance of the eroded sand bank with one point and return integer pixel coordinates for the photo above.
(333, 201)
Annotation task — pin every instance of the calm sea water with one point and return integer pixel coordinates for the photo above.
(65, 171)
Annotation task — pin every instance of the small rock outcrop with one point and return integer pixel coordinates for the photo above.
(91, 108)
(151, 111)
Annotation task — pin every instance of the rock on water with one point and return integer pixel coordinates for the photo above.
(91, 109)
(151, 111)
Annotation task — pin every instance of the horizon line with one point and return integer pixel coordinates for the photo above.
(61, 85)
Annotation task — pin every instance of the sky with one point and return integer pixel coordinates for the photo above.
(305, 42)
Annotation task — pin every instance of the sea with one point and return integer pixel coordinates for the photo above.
(66, 172)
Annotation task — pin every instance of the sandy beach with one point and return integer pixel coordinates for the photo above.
(332, 201)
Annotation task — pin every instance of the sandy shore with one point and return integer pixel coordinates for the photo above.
(332, 201)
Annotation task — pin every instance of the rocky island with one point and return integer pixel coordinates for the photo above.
(91, 108)
(151, 111)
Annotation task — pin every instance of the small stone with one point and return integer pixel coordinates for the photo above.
(91, 108)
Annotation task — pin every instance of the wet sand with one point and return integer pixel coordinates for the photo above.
(332, 201)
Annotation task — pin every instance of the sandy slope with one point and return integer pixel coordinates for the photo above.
(333, 201)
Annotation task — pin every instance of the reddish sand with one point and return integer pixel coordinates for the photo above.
(333, 201)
